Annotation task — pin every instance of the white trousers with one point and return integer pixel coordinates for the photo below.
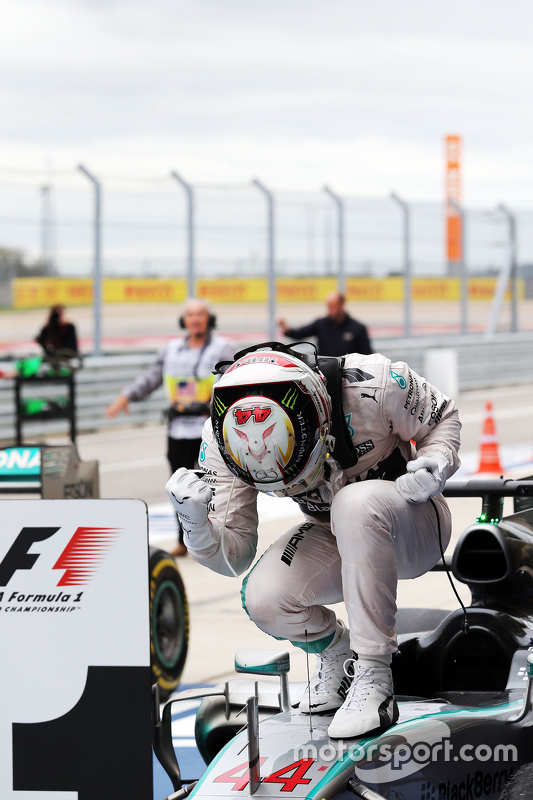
(375, 538)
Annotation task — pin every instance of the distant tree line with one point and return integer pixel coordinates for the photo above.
(13, 264)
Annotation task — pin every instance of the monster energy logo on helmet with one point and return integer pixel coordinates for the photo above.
(291, 469)
(219, 405)
(290, 399)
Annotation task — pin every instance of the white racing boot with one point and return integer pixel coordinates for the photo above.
(369, 704)
(329, 683)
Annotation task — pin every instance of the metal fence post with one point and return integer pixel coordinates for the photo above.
(339, 202)
(97, 273)
(189, 191)
(271, 262)
(462, 268)
(46, 228)
(406, 262)
(513, 266)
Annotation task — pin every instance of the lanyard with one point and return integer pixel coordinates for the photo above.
(195, 368)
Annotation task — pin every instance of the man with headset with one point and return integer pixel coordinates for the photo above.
(185, 365)
(364, 446)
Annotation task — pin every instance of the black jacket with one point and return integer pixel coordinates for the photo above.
(52, 338)
(334, 339)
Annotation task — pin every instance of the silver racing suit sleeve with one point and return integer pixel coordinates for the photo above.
(240, 531)
(415, 410)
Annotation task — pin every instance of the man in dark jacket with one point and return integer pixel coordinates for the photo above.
(337, 334)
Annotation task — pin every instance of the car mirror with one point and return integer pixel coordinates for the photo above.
(262, 662)
(267, 662)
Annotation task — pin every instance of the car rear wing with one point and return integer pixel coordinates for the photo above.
(492, 491)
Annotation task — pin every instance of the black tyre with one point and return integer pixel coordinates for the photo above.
(169, 621)
(520, 785)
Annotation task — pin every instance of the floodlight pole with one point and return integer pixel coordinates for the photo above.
(97, 268)
(462, 268)
(189, 191)
(406, 262)
(271, 262)
(513, 266)
(341, 270)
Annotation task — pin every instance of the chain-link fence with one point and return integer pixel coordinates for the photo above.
(159, 226)
(145, 228)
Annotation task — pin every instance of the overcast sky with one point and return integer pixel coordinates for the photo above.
(298, 92)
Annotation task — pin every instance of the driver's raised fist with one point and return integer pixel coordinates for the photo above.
(190, 497)
(425, 477)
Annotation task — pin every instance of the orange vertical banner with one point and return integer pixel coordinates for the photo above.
(453, 192)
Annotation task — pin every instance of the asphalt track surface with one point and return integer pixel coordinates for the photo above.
(126, 327)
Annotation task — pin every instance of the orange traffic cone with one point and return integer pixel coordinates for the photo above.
(489, 458)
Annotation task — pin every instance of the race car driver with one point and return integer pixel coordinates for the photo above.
(365, 447)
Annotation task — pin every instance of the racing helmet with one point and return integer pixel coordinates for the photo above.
(271, 418)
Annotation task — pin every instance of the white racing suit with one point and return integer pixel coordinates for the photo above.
(359, 534)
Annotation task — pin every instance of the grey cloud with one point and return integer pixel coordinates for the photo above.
(88, 70)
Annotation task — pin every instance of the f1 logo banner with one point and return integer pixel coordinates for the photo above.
(75, 655)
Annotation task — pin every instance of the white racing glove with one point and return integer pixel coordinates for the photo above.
(425, 478)
(190, 498)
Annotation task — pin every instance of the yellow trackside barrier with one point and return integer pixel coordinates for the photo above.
(232, 290)
(483, 289)
(45, 292)
(304, 290)
(435, 289)
(144, 290)
(446, 289)
(365, 290)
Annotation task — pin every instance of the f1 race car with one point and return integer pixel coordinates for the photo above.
(463, 682)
